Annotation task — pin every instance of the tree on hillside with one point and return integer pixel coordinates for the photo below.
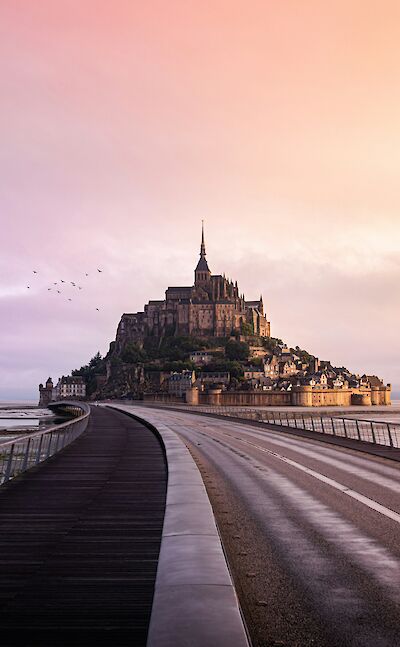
(133, 354)
(304, 355)
(247, 329)
(237, 350)
(257, 361)
(95, 367)
(177, 366)
(272, 343)
(174, 347)
(233, 367)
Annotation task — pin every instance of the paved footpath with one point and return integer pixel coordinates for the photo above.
(80, 538)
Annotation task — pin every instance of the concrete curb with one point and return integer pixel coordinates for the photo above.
(195, 603)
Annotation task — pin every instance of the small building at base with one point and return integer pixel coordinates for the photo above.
(46, 393)
(70, 386)
(67, 387)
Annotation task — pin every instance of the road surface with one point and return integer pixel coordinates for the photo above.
(311, 532)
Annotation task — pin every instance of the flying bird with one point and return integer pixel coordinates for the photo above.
(69, 299)
(79, 287)
(62, 281)
(55, 283)
(97, 309)
(48, 289)
(34, 271)
(99, 270)
(72, 283)
(86, 274)
(29, 287)
(59, 291)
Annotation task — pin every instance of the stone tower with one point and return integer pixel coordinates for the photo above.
(46, 393)
(202, 274)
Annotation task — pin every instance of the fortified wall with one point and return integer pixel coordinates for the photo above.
(300, 396)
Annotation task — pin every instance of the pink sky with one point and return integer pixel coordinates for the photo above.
(124, 124)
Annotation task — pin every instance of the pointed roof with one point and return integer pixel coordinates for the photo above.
(202, 265)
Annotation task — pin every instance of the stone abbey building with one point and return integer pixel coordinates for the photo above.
(212, 307)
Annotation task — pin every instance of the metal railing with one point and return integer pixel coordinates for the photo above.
(369, 431)
(20, 454)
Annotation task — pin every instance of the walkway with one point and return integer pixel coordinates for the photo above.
(80, 538)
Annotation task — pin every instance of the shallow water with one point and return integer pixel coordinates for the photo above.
(21, 418)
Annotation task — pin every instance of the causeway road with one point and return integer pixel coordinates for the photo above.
(311, 531)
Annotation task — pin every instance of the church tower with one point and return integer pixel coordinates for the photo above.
(202, 272)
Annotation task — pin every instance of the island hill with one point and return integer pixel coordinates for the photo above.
(207, 344)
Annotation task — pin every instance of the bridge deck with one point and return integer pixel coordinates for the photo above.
(80, 538)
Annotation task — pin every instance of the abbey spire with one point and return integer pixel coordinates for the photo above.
(202, 246)
(202, 272)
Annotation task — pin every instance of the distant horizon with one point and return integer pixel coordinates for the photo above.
(31, 398)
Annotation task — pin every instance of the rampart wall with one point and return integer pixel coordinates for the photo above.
(300, 396)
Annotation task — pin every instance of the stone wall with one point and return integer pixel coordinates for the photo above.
(307, 396)
(301, 396)
(162, 397)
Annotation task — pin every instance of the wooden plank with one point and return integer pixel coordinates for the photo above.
(80, 538)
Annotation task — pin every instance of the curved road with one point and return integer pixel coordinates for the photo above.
(311, 532)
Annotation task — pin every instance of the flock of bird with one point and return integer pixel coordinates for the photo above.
(58, 284)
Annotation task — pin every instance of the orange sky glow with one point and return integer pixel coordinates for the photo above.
(124, 124)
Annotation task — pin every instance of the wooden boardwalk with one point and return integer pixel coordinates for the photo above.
(80, 538)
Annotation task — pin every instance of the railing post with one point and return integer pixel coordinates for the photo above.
(312, 423)
(358, 430)
(390, 435)
(345, 428)
(25, 461)
(373, 433)
(49, 447)
(39, 451)
(9, 464)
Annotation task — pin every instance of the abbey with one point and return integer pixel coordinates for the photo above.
(212, 307)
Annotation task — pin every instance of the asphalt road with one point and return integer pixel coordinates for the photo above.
(311, 532)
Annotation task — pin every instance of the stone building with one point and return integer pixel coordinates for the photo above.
(201, 357)
(179, 383)
(70, 387)
(212, 307)
(46, 393)
(219, 378)
(253, 372)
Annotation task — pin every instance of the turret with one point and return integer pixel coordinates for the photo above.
(261, 306)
